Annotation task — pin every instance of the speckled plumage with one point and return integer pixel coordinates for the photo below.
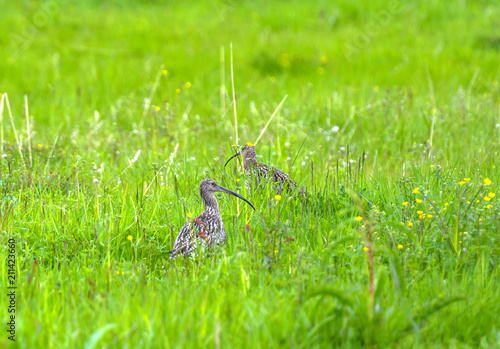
(208, 228)
(259, 170)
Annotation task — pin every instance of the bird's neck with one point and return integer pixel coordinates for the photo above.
(249, 163)
(210, 202)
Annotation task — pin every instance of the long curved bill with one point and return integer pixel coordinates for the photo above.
(232, 157)
(224, 190)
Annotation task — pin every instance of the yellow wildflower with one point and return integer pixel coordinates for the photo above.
(410, 224)
(466, 179)
(129, 238)
(164, 72)
(461, 183)
(418, 201)
(405, 203)
(250, 144)
(237, 179)
(40, 145)
(278, 197)
(400, 246)
(359, 219)
(189, 215)
(429, 216)
(177, 90)
(487, 198)
(415, 191)
(489, 206)
(157, 108)
(491, 195)
(487, 181)
(188, 84)
(366, 249)
(420, 212)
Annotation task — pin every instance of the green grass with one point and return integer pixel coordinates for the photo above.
(414, 88)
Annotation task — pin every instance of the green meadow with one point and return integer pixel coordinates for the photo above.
(387, 114)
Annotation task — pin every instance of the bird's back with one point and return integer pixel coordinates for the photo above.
(206, 230)
(277, 176)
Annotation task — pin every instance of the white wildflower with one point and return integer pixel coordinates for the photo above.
(136, 156)
(172, 154)
(146, 103)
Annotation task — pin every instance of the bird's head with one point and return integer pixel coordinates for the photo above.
(209, 186)
(248, 153)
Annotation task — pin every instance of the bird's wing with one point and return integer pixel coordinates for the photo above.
(185, 242)
(282, 177)
(188, 238)
(263, 170)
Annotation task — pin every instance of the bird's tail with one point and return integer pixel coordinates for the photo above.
(173, 254)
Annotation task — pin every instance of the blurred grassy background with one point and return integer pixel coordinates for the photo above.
(329, 57)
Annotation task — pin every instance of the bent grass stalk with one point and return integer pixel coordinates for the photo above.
(28, 129)
(270, 119)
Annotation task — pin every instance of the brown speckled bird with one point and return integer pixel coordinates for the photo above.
(208, 228)
(260, 170)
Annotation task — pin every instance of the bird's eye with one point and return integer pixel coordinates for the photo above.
(213, 183)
